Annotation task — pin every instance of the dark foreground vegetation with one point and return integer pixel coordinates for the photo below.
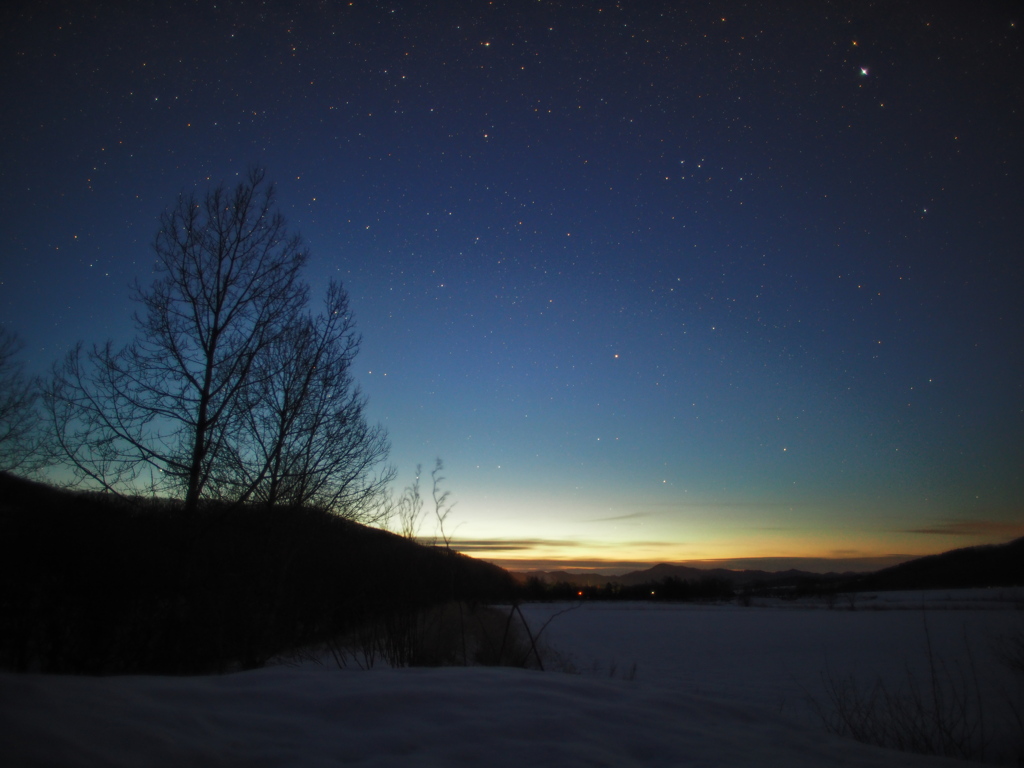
(94, 584)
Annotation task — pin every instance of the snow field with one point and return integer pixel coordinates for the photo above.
(714, 686)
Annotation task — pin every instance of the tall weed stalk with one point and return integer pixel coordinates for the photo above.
(943, 714)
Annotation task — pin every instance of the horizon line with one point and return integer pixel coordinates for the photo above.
(778, 564)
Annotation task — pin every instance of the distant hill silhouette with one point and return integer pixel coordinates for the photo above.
(92, 583)
(661, 572)
(991, 565)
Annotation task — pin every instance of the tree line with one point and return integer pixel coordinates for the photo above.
(669, 588)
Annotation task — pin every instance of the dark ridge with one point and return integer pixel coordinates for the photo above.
(92, 583)
(987, 565)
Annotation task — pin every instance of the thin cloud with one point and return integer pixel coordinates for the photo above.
(632, 516)
(589, 565)
(812, 564)
(970, 528)
(512, 545)
(726, 504)
(506, 545)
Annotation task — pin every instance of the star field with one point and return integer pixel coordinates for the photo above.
(659, 281)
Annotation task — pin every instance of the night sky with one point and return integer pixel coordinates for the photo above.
(659, 281)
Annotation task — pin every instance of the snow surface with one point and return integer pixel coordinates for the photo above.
(712, 686)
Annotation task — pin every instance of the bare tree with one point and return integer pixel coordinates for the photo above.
(442, 507)
(19, 420)
(409, 507)
(229, 390)
(304, 440)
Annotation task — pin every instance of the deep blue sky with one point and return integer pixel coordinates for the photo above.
(660, 281)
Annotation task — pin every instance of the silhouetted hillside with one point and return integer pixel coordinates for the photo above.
(991, 565)
(93, 583)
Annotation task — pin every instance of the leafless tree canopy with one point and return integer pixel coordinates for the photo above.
(304, 439)
(231, 388)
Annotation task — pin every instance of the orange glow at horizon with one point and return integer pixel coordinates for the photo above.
(775, 550)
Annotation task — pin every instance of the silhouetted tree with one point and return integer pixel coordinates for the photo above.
(19, 420)
(303, 439)
(442, 508)
(409, 511)
(409, 507)
(230, 389)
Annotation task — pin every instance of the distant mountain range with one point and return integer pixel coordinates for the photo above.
(981, 566)
(661, 572)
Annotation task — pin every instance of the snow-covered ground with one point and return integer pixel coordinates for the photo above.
(716, 685)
